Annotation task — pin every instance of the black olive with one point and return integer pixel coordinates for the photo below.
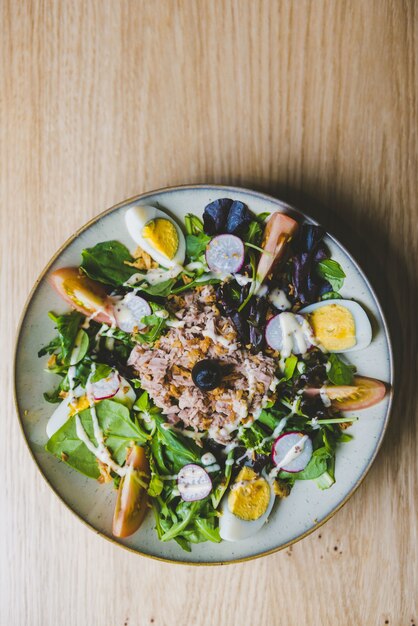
(207, 374)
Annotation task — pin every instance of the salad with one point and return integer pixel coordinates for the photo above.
(204, 370)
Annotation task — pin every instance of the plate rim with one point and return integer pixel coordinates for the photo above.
(144, 196)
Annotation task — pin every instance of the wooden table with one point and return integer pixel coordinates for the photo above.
(312, 101)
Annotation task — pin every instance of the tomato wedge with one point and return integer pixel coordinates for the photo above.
(365, 392)
(131, 503)
(83, 294)
(279, 230)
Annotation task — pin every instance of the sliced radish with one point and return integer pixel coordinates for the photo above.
(288, 333)
(292, 452)
(193, 483)
(225, 254)
(106, 388)
(130, 311)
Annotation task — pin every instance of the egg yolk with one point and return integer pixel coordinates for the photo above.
(79, 404)
(333, 326)
(249, 496)
(162, 235)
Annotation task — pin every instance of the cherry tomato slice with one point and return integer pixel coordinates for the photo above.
(83, 294)
(365, 392)
(131, 503)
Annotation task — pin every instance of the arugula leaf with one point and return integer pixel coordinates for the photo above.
(196, 245)
(50, 347)
(254, 233)
(119, 431)
(331, 270)
(339, 373)
(67, 327)
(155, 325)
(105, 262)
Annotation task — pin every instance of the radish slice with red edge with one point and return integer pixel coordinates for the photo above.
(106, 388)
(288, 333)
(130, 311)
(193, 483)
(225, 254)
(292, 452)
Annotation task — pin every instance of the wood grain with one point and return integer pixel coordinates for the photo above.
(313, 101)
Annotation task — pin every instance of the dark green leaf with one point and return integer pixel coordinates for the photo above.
(105, 262)
(261, 217)
(254, 233)
(67, 327)
(331, 271)
(339, 373)
(51, 347)
(162, 289)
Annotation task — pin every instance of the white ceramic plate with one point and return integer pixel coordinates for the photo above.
(292, 518)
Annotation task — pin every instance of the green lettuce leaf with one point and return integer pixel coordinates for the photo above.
(105, 262)
(118, 428)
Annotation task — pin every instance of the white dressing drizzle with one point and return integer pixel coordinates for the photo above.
(208, 458)
(210, 332)
(324, 396)
(290, 456)
(279, 300)
(101, 452)
(242, 280)
(213, 468)
(153, 276)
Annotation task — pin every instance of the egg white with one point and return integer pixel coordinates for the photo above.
(363, 328)
(137, 217)
(232, 528)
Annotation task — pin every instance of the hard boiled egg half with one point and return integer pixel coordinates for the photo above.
(157, 234)
(247, 506)
(339, 325)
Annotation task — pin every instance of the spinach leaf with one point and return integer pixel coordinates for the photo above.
(197, 282)
(162, 289)
(118, 428)
(65, 445)
(101, 371)
(331, 270)
(105, 262)
(339, 373)
(196, 245)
